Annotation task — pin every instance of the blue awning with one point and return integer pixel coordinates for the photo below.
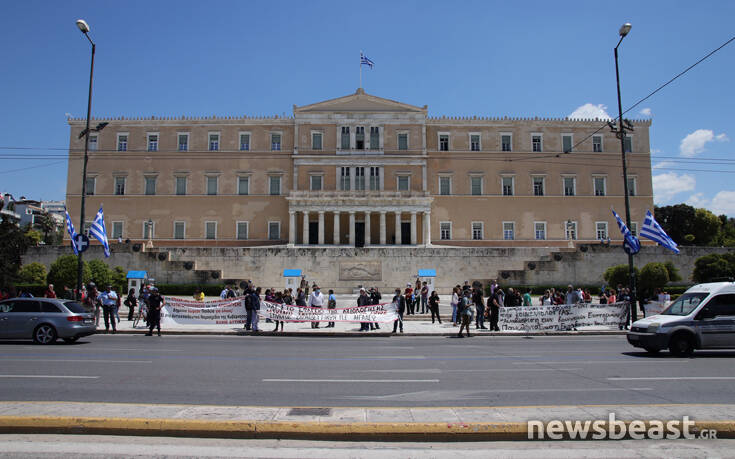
(137, 275)
(427, 272)
(291, 273)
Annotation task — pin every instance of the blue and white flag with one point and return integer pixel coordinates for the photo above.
(364, 60)
(653, 231)
(631, 244)
(98, 231)
(72, 233)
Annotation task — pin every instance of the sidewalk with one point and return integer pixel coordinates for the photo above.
(384, 424)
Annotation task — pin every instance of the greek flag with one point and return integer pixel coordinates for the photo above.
(653, 231)
(72, 233)
(98, 231)
(631, 244)
(364, 60)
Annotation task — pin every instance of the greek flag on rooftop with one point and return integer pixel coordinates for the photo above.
(72, 233)
(631, 244)
(653, 231)
(364, 60)
(98, 231)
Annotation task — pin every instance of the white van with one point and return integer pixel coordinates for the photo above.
(702, 318)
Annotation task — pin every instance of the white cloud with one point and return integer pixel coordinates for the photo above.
(655, 151)
(646, 112)
(68, 115)
(698, 200)
(722, 203)
(664, 165)
(669, 184)
(694, 143)
(590, 111)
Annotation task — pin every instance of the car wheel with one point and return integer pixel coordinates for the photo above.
(681, 345)
(44, 334)
(73, 339)
(652, 350)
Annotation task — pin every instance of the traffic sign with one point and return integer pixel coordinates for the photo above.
(82, 242)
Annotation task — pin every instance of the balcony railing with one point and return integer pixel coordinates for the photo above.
(357, 194)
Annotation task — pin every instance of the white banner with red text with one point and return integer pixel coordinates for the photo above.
(230, 311)
(385, 312)
(563, 317)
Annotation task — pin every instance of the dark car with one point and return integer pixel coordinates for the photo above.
(45, 319)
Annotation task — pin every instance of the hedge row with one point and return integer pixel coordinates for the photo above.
(189, 289)
(593, 289)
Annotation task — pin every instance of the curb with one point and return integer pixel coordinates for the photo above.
(486, 431)
(369, 335)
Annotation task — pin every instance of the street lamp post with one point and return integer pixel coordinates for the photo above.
(624, 29)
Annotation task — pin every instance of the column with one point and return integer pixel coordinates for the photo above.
(291, 227)
(305, 234)
(398, 228)
(382, 227)
(352, 228)
(427, 228)
(367, 228)
(321, 227)
(335, 238)
(413, 228)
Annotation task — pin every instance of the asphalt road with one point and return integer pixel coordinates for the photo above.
(395, 371)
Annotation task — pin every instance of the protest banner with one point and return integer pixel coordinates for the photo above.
(562, 317)
(385, 312)
(653, 308)
(219, 312)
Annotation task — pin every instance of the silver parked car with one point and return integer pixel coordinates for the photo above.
(45, 319)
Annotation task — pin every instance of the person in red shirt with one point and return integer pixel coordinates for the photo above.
(50, 291)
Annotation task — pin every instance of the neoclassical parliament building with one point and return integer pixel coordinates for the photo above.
(359, 170)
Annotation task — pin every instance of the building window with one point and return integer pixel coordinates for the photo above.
(316, 140)
(345, 138)
(212, 184)
(210, 230)
(445, 186)
(180, 185)
(628, 144)
(344, 178)
(475, 142)
(183, 142)
(443, 142)
(566, 143)
(404, 183)
(632, 186)
(93, 142)
(507, 183)
(315, 182)
(360, 178)
(274, 231)
(601, 230)
(90, 187)
(374, 138)
(276, 142)
(360, 138)
(570, 229)
(149, 229)
(119, 185)
(634, 228)
(213, 142)
(242, 230)
(403, 141)
(506, 142)
(244, 142)
(597, 143)
(540, 230)
(445, 231)
(537, 142)
(570, 186)
(477, 231)
(243, 185)
(275, 185)
(152, 142)
(509, 231)
(179, 230)
(538, 186)
(122, 142)
(117, 230)
(150, 185)
(599, 186)
(475, 186)
(374, 179)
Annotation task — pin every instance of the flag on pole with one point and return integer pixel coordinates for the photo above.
(364, 60)
(98, 231)
(631, 244)
(653, 231)
(72, 233)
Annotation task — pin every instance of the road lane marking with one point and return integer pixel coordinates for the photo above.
(578, 362)
(49, 376)
(401, 370)
(355, 380)
(674, 378)
(512, 369)
(75, 360)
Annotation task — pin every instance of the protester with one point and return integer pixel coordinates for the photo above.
(155, 304)
(495, 302)
(375, 297)
(572, 295)
(91, 301)
(316, 300)
(363, 300)
(199, 294)
(455, 302)
(400, 302)
(465, 312)
(50, 291)
(331, 304)
(278, 298)
(478, 302)
(424, 297)
(434, 307)
(108, 299)
(527, 298)
(408, 293)
(131, 302)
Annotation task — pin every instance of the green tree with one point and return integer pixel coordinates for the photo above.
(674, 275)
(653, 275)
(677, 221)
(32, 273)
(63, 272)
(100, 274)
(47, 225)
(619, 274)
(14, 245)
(713, 266)
(706, 227)
(119, 280)
(34, 237)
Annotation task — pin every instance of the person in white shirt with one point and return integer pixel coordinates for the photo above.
(108, 298)
(316, 300)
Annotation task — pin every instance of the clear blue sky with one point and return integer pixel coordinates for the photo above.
(526, 58)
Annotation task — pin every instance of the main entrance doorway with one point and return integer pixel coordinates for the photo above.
(406, 233)
(359, 234)
(313, 233)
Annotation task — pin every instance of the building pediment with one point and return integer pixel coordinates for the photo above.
(359, 102)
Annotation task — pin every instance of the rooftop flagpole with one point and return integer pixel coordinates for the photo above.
(360, 69)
